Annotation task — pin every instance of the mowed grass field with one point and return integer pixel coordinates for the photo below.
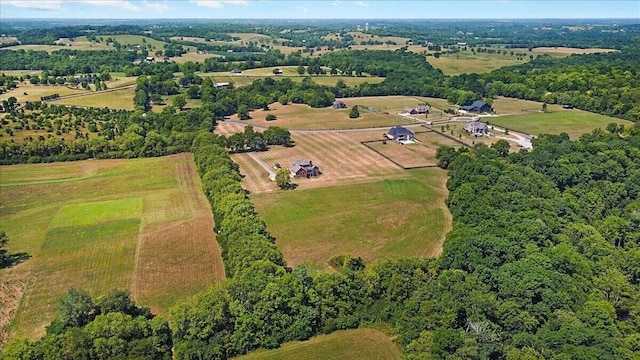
(379, 220)
(143, 225)
(574, 122)
(35, 92)
(301, 116)
(467, 62)
(363, 344)
(115, 99)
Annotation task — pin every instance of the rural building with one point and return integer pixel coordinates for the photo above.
(422, 109)
(416, 110)
(303, 169)
(150, 59)
(477, 106)
(567, 106)
(221, 85)
(476, 128)
(236, 71)
(339, 105)
(399, 133)
(90, 78)
(278, 72)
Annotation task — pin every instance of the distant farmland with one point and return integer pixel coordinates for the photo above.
(143, 225)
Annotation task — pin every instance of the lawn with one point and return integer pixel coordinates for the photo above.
(379, 220)
(301, 116)
(574, 122)
(421, 153)
(364, 344)
(143, 225)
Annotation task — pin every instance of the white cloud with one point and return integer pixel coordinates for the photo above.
(33, 4)
(219, 3)
(362, 3)
(336, 3)
(158, 7)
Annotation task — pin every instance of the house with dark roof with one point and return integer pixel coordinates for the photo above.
(416, 110)
(476, 128)
(399, 133)
(339, 105)
(409, 110)
(303, 169)
(477, 106)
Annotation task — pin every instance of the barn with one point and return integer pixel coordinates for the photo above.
(478, 107)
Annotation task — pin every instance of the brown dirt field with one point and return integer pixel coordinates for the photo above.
(11, 292)
(194, 262)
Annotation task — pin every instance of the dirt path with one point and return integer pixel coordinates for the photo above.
(272, 175)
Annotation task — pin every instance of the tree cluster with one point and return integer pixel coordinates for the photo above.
(112, 327)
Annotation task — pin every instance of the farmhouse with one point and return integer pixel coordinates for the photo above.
(303, 169)
(476, 128)
(399, 133)
(416, 110)
(339, 105)
(477, 106)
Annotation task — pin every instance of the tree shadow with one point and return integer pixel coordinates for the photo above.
(290, 186)
(11, 260)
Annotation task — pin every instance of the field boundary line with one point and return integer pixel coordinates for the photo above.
(448, 137)
(367, 142)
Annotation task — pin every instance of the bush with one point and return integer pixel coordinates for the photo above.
(271, 117)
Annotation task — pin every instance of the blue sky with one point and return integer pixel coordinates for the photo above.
(329, 9)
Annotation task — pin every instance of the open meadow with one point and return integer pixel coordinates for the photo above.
(301, 116)
(114, 99)
(364, 344)
(379, 220)
(468, 62)
(572, 121)
(142, 225)
(29, 92)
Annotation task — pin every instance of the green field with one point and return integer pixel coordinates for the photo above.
(362, 344)
(117, 99)
(467, 62)
(380, 220)
(574, 122)
(98, 225)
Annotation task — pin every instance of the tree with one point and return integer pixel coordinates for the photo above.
(243, 112)
(301, 70)
(354, 113)
(76, 309)
(271, 117)
(544, 107)
(502, 147)
(283, 179)
(180, 101)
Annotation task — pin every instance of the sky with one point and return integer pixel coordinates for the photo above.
(319, 9)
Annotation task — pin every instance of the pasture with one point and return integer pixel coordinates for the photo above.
(143, 225)
(301, 116)
(35, 92)
(467, 62)
(379, 220)
(574, 122)
(114, 99)
(364, 344)
(249, 76)
(567, 51)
